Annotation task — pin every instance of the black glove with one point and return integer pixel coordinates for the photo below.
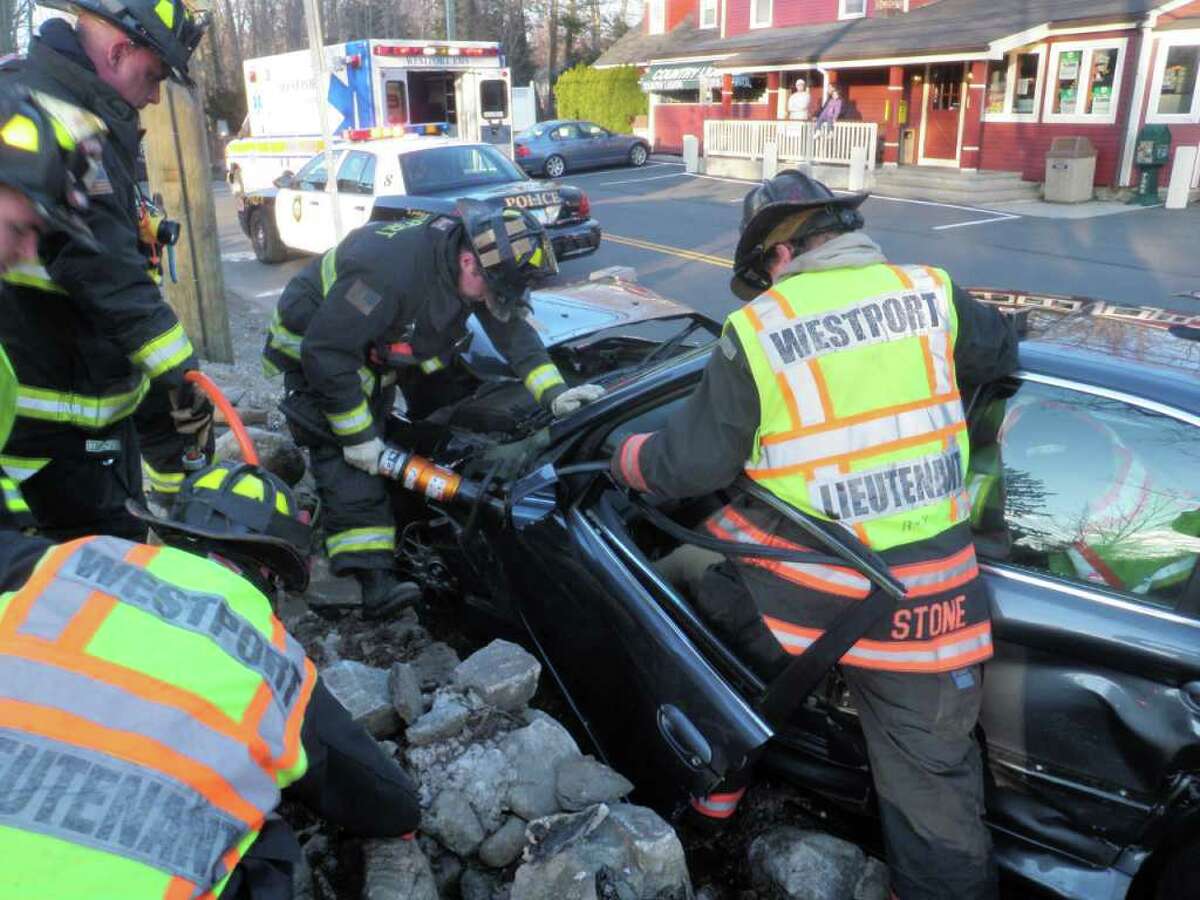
(191, 413)
(511, 459)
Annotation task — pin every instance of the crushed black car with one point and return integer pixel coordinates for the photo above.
(1086, 508)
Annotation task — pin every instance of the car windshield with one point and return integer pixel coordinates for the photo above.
(448, 168)
(534, 131)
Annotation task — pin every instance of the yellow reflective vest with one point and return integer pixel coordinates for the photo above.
(861, 420)
(150, 715)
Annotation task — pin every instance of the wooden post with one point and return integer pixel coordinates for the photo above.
(178, 167)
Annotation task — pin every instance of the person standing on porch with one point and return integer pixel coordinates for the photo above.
(799, 103)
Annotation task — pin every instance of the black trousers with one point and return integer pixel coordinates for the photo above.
(83, 488)
(925, 760)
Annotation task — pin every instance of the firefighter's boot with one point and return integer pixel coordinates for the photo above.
(383, 594)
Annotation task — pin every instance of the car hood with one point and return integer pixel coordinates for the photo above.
(570, 312)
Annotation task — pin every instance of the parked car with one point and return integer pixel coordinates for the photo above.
(390, 177)
(1091, 716)
(555, 147)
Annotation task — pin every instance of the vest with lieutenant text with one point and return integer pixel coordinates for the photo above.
(861, 423)
(150, 715)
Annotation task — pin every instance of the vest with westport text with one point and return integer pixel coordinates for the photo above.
(861, 424)
(150, 715)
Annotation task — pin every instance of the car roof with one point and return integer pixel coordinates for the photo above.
(1145, 351)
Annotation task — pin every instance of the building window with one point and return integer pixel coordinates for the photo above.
(1175, 91)
(760, 13)
(1014, 86)
(852, 9)
(1085, 82)
(708, 13)
(658, 16)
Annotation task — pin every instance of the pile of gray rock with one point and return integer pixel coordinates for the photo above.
(510, 806)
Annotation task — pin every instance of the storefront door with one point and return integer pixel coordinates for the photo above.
(942, 125)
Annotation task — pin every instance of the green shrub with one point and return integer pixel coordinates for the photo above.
(608, 97)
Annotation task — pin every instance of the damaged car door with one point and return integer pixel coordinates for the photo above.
(1086, 512)
(621, 649)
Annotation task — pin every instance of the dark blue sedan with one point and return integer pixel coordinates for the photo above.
(554, 147)
(1086, 512)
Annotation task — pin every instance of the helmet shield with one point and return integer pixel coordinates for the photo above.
(50, 152)
(787, 207)
(513, 251)
(242, 512)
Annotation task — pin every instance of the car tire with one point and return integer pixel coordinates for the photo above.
(268, 247)
(555, 166)
(638, 154)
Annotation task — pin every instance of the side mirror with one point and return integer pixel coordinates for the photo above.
(285, 180)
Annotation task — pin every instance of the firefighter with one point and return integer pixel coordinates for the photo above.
(155, 713)
(49, 152)
(390, 303)
(88, 332)
(836, 388)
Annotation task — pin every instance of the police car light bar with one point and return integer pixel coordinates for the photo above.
(394, 131)
(435, 50)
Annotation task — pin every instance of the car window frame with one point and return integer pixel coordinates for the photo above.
(300, 183)
(1188, 607)
(600, 131)
(353, 186)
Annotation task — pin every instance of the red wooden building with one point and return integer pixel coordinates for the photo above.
(968, 84)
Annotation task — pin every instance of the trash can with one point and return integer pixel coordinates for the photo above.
(1070, 170)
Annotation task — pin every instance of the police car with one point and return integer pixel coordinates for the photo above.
(384, 173)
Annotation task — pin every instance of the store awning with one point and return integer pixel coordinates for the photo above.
(686, 78)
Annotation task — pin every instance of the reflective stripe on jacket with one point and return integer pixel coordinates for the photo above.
(861, 420)
(942, 625)
(150, 713)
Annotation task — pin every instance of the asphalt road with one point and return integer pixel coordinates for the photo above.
(679, 231)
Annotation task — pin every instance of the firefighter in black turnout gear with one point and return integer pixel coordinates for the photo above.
(91, 340)
(387, 306)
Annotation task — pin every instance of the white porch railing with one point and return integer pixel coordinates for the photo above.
(794, 141)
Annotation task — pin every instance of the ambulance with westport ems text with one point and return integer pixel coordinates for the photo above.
(452, 88)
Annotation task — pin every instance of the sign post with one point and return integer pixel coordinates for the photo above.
(316, 46)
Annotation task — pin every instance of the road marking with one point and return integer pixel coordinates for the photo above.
(640, 180)
(238, 256)
(693, 255)
(574, 175)
(267, 294)
(1000, 218)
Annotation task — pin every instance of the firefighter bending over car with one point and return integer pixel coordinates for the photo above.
(153, 711)
(836, 388)
(388, 307)
(93, 343)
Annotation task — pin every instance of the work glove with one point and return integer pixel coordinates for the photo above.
(580, 395)
(191, 413)
(511, 459)
(364, 456)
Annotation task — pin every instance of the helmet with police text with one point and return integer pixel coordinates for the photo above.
(50, 152)
(789, 207)
(170, 28)
(512, 246)
(240, 512)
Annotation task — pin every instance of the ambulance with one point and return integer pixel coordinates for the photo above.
(457, 89)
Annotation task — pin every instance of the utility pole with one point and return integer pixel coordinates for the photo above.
(178, 167)
(451, 21)
(316, 46)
